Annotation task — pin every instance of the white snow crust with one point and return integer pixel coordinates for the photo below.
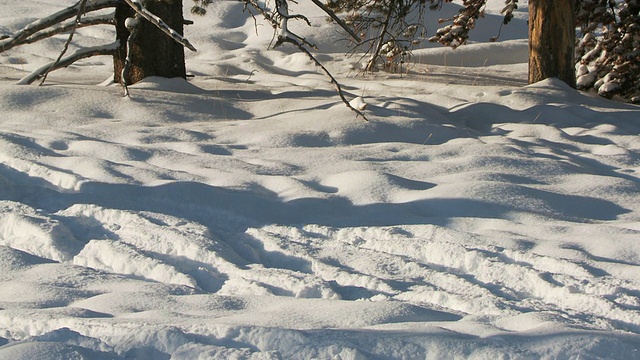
(247, 214)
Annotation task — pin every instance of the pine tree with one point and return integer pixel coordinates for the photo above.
(151, 52)
(389, 28)
(552, 40)
(609, 47)
(607, 44)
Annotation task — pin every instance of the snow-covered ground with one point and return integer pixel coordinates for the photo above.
(248, 214)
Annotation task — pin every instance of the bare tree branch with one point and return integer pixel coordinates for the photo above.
(106, 19)
(335, 18)
(109, 49)
(327, 72)
(286, 36)
(81, 11)
(56, 18)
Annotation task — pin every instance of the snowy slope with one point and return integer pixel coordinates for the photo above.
(248, 214)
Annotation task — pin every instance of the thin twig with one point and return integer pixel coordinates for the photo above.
(109, 49)
(81, 11)
(327, 72)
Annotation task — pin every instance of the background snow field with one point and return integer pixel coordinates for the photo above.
(248, 214)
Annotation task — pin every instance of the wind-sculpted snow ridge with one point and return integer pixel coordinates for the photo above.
(463, 222)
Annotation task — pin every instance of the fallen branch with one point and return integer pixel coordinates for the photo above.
(56, 18)
(109, 49)
(106, 19)
(81, 11)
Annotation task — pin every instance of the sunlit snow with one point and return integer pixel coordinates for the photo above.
(247, 213)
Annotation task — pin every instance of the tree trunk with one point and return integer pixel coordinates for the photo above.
(152, 53)
(552, 40)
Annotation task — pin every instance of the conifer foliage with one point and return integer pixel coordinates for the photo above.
(388, 28)
(609, 47)
(607, 37)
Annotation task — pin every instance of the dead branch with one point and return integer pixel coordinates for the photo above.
(335, 18)
(109, 49)
(327, 72)
(41, 24)
(287, 37)
(106, 19)
(81, 11)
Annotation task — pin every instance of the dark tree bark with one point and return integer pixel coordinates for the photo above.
(153, 53)
(552, 40)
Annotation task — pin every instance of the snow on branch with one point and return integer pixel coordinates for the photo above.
(133, 25)
(608, 48)
(159, 23)
(457, 32)
(28, 31)
(109, 49)
(104, 19)
(81, 11)
(335, 18)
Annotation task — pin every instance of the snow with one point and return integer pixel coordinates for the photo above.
(248, 214)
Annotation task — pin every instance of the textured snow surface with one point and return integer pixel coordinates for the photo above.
(248, 214)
